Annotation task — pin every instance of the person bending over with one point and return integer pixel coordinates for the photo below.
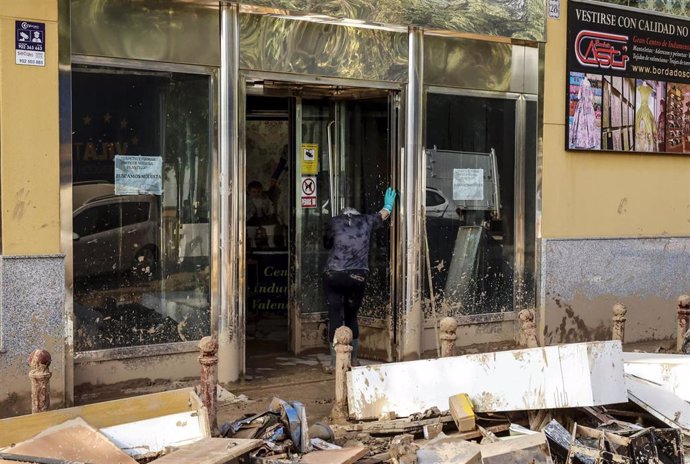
(348, 237)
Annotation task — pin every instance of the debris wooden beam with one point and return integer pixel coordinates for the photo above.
(210, 451)
(662, 404)
(104, 414)
(565, 376)
(670, 371)
(73, 440)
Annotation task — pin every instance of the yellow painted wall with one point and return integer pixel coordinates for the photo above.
(29, 137)
(594, 194)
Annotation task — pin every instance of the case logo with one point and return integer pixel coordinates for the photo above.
(602, 50)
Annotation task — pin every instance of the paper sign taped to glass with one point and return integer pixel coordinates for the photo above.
(468, 184)
(138, 175)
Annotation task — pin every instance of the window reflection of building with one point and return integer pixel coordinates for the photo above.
(141, 262)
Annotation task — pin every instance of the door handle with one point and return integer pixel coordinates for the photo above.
(331, 172)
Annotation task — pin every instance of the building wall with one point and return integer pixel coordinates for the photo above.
(615, 227)
(31, 307)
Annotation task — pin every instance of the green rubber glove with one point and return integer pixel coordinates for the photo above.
(389, 199)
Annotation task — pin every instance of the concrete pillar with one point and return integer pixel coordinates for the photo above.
(209, 377)
(528, 329)
(343, 351)
(618, 322)
(683, 315)
(40, 375)
(448, 336)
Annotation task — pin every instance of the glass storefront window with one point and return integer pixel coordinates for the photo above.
(141, 230)
(470, 203)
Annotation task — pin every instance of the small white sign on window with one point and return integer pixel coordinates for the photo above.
(138, 175)
(468, 184)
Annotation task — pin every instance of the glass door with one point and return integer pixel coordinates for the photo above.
(343, 148)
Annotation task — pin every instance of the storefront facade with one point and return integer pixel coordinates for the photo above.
(615, 220)
(203, 146)
(260, 86)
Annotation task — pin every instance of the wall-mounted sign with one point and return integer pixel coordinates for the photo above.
(30, 43)
(308, 192)
(310, 159)
(554, 9)
(628, 81)
(138, 175)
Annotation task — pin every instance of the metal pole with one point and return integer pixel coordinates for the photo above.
(411, 195)
(229, 350)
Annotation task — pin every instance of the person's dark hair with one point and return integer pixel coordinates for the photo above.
(255, 184)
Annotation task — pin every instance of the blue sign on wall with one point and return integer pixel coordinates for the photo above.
(30, 43)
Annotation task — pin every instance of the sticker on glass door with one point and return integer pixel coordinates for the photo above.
(309, 192)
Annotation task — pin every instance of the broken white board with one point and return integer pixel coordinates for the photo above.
(670, 371)
(565, 376)
(147, 438)
(660, 403)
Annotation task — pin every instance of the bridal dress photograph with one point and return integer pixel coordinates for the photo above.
(584, 133)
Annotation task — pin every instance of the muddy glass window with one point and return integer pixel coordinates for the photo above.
(141, 196)
(470, 203)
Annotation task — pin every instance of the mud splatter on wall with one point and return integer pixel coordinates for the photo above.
(583, 279)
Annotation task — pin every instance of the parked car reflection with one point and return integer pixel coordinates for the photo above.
(115, 234)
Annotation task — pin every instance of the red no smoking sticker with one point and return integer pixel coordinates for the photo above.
(308, 192)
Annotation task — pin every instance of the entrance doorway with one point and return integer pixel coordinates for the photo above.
(311, 150)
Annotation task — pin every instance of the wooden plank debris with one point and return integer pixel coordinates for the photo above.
(449, 450)
(99, 415)
(531, 449)
(210, 451)
(399, 426)
(662, 404)
(150, 437)
(73, 440)
(564, 376)
(670, 371)
(341, 456)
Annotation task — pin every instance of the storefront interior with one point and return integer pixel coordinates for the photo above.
(303, 142)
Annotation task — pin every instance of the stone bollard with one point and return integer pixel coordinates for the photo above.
(209, 377)
(618, 322)
(40, 375)
(528, 329)
(343, 351)
(683, 315)
(449, 327)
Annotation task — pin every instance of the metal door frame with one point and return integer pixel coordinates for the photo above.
(239, 179)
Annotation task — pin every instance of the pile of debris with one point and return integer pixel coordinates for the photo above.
(584, 403)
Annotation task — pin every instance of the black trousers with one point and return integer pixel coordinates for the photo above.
(344, 291)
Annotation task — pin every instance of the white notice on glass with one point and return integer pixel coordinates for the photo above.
(138, 175)
(468, 184)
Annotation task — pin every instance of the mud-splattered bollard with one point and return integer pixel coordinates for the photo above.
(209, 377)
(343, 351)
(528, 329)
(449, 327)
(40, 374)
(683, 315)
(618, 322)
